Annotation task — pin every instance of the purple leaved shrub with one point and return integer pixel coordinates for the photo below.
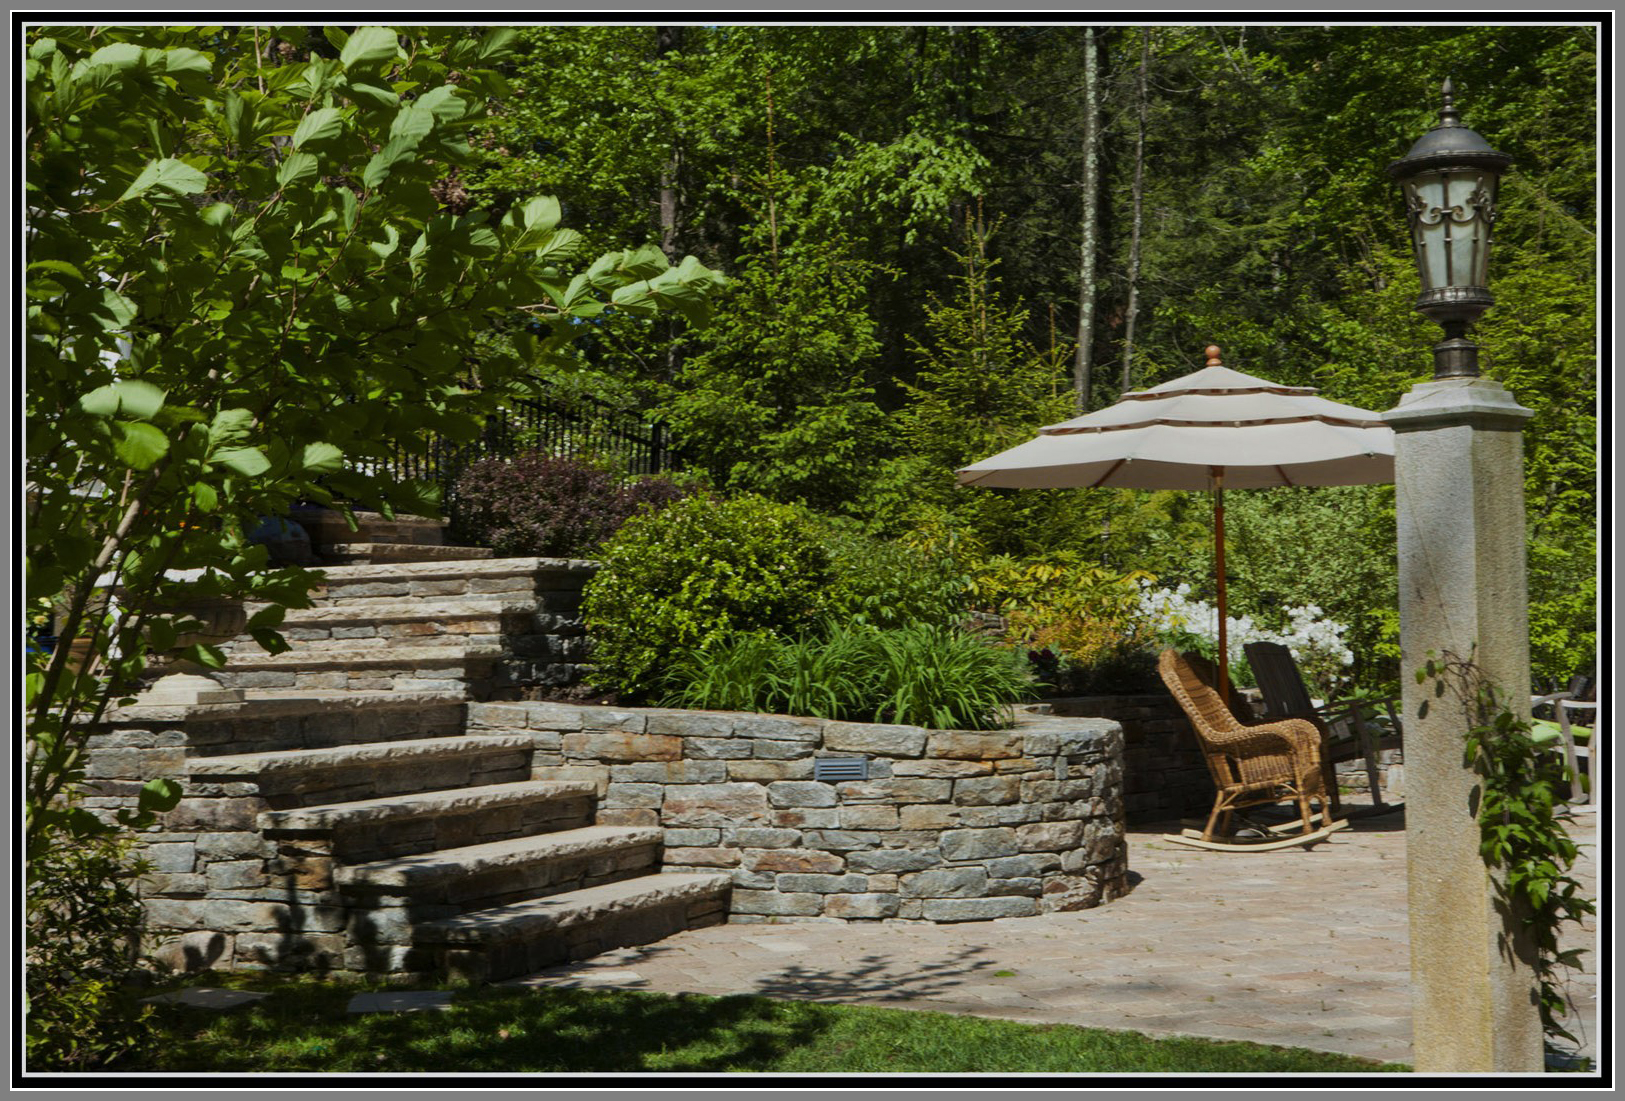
(549, 506)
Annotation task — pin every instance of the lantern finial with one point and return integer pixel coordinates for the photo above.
(1448, 115)
(1212, 353)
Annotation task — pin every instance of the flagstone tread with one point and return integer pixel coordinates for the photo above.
(391, 808)
(396, 610)
(377, 553)
(371, 656)
(469, 567)
(282, 703)
(350, 756)
(421, 869)
(543, 915)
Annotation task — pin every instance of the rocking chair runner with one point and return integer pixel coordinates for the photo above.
(1253, 764)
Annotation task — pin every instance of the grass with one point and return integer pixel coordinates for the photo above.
(304, 1026)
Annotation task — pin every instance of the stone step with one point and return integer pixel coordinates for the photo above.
(395, 610)
(327, 527)
(498, 873)
(317, 719)
(468, 577)
(367, 830)
(306, 777)
(372, 553)
(442, 667)
(523, 937)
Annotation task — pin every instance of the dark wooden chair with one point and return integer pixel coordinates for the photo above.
(1348, 731)
(1577, 701)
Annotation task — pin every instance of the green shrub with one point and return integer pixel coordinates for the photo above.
(922, 675)
(84, 921)
(888, 584)
(677, 581)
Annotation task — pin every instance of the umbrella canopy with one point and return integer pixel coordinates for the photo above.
(1174, 436)
(1212, 429)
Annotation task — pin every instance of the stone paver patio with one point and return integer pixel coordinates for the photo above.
(1301, 947)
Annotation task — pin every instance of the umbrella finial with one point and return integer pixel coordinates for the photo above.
(1212, 353)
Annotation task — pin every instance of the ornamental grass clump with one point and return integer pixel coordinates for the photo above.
(919, 675)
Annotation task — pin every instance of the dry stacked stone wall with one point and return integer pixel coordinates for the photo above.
(949, 825)
(1165, 776)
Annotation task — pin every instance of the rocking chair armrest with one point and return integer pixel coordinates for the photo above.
(1272, 736)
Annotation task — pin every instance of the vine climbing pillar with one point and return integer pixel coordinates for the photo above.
(1462, 591)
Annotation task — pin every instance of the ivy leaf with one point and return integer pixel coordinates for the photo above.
(168, 174)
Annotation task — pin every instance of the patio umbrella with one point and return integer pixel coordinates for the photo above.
(1211, 429)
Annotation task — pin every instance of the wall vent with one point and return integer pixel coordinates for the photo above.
(836, 770)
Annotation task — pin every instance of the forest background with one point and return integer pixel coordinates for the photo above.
(939, 238)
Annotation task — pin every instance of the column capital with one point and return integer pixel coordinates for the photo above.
(1477, 402)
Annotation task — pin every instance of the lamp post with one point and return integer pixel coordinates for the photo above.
(1459, 511)
(1449, 179)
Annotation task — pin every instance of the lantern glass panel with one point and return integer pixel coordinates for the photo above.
(1450, 216)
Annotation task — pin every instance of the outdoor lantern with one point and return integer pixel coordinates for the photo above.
(1449, 180)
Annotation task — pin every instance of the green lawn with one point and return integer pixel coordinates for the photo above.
(304, 1026)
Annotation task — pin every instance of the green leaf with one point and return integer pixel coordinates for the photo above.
(229, 426)
(139, 444)
(205, 496)
(319, 125)
(120, 55)
(204, 655)
(269, 616)
(159, 795)
(541, 213)
(298, 166)
(412, 122)
(371, 94)
(131, 396)
(183, 59)
(269, 640)
(395, 151)
(321, 458)
(247, 461)
(168, 174)
(369, 45)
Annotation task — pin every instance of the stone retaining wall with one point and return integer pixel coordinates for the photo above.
(1165, 776)
(949, 826)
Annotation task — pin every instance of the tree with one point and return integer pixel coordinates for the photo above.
(242, 287)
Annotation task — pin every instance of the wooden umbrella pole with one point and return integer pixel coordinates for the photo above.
(1218, 560)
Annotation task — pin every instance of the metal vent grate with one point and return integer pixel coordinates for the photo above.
(834, 770)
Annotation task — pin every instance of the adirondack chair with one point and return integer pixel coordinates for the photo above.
(1346, 728)
(1577, 701)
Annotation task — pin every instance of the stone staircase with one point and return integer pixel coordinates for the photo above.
(374, 834)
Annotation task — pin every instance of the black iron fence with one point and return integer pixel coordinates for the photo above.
(578, 428)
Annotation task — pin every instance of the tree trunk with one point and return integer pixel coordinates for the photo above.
(1083, 361)
(1139, 208)
(668, 40)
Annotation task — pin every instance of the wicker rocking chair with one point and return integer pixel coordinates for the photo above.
(1253, 764)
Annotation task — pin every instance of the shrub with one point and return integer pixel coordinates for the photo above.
(888, 584)
(549, 506)
(83, 927)
(677, 581)
(923, 675)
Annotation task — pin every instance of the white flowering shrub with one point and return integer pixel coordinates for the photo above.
(1178, 619)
